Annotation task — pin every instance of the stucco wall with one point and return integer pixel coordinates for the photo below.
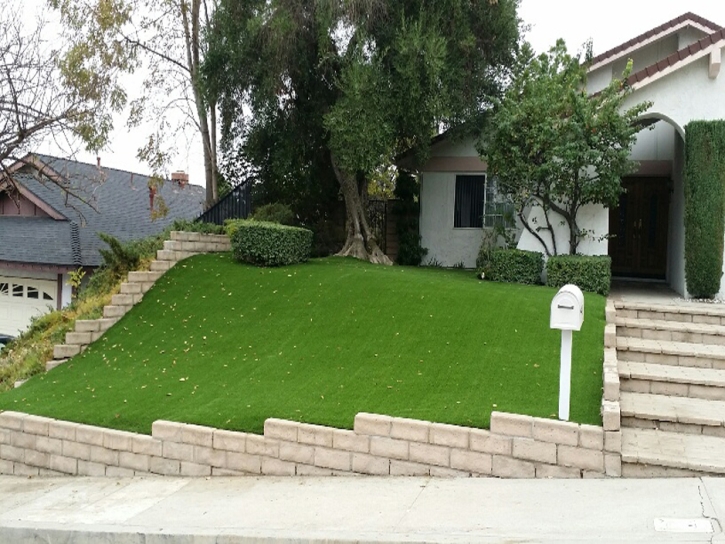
(655, 144)
(676, 235)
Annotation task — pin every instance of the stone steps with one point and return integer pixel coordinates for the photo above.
(675, 381)
(712, 314)
(670, 353)
(675, 414)
(670, 331)
(656, 453)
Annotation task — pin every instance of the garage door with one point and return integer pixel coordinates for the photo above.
(21, 299)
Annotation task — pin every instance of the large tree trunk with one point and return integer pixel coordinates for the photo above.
(360, 242)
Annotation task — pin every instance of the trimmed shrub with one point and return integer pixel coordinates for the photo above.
(704, 206)
(270, 244)
(589, 273)
(275, 212)
(515, 266)
(196, 226)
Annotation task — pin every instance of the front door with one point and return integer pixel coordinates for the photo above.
(638, 226)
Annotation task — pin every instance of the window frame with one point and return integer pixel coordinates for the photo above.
(456, 214)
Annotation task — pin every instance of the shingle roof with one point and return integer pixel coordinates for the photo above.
(112, 201)
(662, 29)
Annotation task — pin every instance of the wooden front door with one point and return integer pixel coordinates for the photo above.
(638, 226)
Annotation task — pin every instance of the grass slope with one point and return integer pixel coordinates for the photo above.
(223, 344)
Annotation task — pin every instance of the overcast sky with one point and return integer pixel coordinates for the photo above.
(608, 23)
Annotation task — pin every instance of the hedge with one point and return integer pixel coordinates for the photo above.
(515, 266)
(270, 244)
(589, 273)
(704, 206)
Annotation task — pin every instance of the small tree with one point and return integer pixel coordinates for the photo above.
(554, 146)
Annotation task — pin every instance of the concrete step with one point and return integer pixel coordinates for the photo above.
(659, 352)
(65, 351)
(655, 453)
(676, 414)
(161, 266)
(50, 365)
(688, 312)
(675, 381)
(115, 311)
(670, 331)
(78, 338)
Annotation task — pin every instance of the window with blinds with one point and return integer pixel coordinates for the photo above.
(470, 194)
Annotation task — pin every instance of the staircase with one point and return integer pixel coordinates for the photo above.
(671, 360)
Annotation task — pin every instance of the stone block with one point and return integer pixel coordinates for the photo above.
(21, 469)
(104, 456)
(20, 439)
(6, 436)
(670, 389)
(90, 435)
(49, 445)
(78, 338)
(88, 468)
(173, 245)
(316, 435)
(329, 458)
(64, 430)
(613, 441)
(229, 441)
(307, 470)
(591, 475)
(582, 458)
(12, 420)
(556, 432)
(281, 429)
(484, 441)
(370, 464)
(194, 469)
(114, 311)
(259, 445)
(122, 300)
(87, 325)
(37, 459)
(197, 435)
(443, 472)
(389, 447)
(176, 450)
(297, 453)
(166, 430)
(471, 461)
(210, 456)
(591, 437)
(6, 467)
(225, 472)
(77, 450)
(556, 472)
(372, 424)
(613, 465)
(130, 289)
(610, 335)
(610, 312)
(118, 440)
(452, 436)
(512, 424)
(350, 441)
(119, 472)
(12, 453)
(611, 386)
(147, 445)
(533, 450)
(64, 351)
(66, 465)
(275, 467)
(413, 430)
(611, 417)
(161, 266)
(507, 467)
(166, 255)
(405, 468)
(244, 462)
(107, 322)
(165, 467)
(428, 454)
(135, 461)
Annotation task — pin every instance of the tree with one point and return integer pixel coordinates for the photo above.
(346, 84)
(166, 40)
(554, 146)
(39, 99)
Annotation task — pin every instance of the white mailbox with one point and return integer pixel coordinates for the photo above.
(567, 309)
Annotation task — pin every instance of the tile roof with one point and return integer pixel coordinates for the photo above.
(662, 29)
(108, 200)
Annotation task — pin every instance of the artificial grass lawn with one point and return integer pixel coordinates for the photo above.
(228, 345)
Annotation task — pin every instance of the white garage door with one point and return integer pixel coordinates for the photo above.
(21, 299)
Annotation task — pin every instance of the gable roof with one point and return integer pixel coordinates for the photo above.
(91, 200)
(687, 19)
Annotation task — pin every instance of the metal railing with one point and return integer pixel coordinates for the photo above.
(237, 204)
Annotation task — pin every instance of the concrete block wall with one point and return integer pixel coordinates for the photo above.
(181, 246)
(611, 410)
(516, 447)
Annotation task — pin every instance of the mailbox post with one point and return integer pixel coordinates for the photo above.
(567, 315)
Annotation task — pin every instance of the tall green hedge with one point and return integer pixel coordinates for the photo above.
(589, 273)
(704, 206)
(516, 266)
(270, 244)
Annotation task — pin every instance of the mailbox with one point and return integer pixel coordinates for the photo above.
(567, 309)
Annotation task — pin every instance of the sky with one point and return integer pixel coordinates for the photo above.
(607, 23)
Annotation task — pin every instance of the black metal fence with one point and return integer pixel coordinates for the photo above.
(378, 221)
(235, 205)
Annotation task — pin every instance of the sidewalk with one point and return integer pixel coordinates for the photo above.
(355, 509)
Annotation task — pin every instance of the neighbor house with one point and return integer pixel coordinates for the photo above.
(676, 66)
(51, 211)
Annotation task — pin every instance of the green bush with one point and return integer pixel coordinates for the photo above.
(196, 226)
(275, 212)
(515, 266)
(270, 244)
(589, 273)
(704, 206)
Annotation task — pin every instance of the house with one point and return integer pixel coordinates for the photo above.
(676, 66)
(50, 217)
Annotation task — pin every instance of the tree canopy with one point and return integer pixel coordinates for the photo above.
(552, 145)
(318, 95)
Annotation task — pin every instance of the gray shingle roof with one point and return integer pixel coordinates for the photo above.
(108, 200)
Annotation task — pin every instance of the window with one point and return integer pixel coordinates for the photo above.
(4, 289)
(46, 296)
(32, 292)
(18, 290)
(479, 204)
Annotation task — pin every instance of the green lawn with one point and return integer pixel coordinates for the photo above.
(228, 345)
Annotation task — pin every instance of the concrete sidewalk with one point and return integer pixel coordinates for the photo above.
(281, 510)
